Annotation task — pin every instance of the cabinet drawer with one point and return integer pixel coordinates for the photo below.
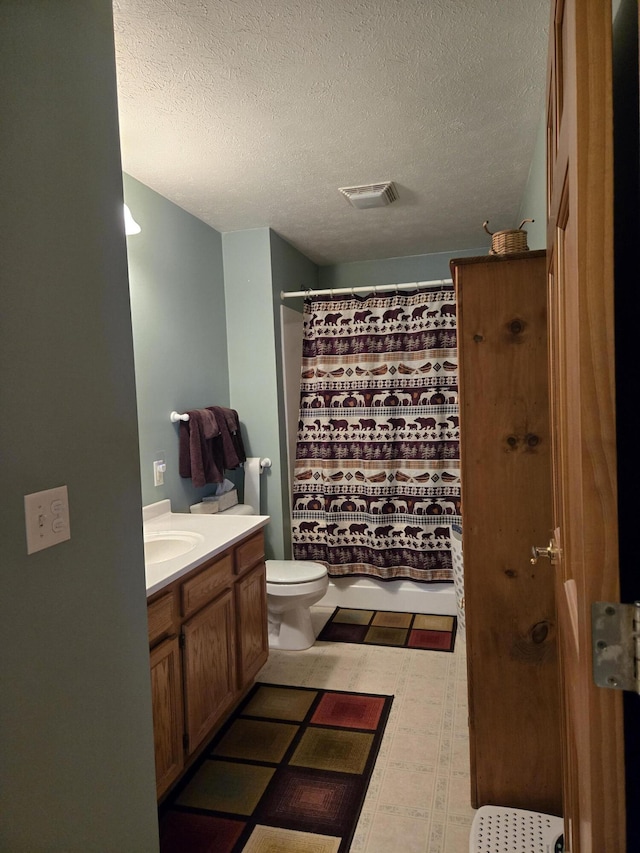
(162, 617)
(208, 583)
(249, 553)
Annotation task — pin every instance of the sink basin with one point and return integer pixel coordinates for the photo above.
(167, 544)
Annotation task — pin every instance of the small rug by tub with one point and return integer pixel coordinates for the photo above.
(390, 628)
(288, 772)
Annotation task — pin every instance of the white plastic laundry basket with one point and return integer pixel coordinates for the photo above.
(496, 829)
(458, 573)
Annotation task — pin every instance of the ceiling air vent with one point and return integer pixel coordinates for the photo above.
(371, 195)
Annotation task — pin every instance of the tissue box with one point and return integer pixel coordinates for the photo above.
(224, 501)
(202, 508)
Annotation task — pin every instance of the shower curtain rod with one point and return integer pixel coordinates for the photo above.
(372, 288)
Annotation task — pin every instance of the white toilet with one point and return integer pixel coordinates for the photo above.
(292, 587)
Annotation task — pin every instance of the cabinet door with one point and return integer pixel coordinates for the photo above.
(166, 698)
(209, 667)
(251, 613)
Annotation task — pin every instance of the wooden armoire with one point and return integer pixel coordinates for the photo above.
(513, 689)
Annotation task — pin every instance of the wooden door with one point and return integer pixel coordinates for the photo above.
(514, 705)
(209, 665)
(582, 388)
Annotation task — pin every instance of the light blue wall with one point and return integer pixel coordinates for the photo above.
(196, 345)
(253, 379)
(77, 765)
(534, 199)
(180, 334)
(290, 270)
(393, 270)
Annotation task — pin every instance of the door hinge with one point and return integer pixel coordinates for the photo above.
(615, 634)
(181, 641)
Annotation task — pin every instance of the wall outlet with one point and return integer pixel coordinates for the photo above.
(159, 467)
(46, 518)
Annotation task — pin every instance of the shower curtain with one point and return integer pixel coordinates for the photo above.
(377, 477)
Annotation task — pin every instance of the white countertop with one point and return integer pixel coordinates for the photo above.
(218, 532)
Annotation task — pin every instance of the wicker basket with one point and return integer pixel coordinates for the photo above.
(509, 241)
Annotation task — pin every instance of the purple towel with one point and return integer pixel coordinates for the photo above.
(229, 426)
(209, 422)
(210, 442)
(198, 458)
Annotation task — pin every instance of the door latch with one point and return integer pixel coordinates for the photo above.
(615, 633)
(549, 551)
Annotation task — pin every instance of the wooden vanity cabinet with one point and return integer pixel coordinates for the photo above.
(166, 700)
(251, 605)
(209, 656)
(208, 640)
(505, 445)
(251, 609)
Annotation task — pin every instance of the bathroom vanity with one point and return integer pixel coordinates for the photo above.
(207, 620)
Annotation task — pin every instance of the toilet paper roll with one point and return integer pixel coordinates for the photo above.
(252, 482)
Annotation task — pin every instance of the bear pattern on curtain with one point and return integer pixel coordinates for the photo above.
(377, 473)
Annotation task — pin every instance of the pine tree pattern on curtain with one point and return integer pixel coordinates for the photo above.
(377, 473)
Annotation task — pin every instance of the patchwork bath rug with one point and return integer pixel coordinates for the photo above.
(288, 772)
(389, 628)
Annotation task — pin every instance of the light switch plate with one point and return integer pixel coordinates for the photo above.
(159, 467)
(47, 518)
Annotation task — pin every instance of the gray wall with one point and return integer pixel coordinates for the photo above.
(179, 328)
(77, 771)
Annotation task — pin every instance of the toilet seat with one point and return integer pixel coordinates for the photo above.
(294, 571)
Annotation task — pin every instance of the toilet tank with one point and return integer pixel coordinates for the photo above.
(239, 509)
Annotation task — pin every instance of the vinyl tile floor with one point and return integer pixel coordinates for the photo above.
(418, 800)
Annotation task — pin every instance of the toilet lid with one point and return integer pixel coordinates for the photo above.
(294, 571)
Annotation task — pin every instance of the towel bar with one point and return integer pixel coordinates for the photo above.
(175, 417)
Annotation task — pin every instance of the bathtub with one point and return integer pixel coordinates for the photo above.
(404, 596)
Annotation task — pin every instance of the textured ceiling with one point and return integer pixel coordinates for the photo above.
(250, 113)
